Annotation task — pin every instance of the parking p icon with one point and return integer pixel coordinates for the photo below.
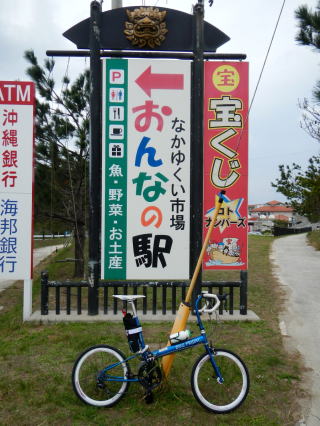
(116, 76)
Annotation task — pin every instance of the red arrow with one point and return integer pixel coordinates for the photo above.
(148, 81)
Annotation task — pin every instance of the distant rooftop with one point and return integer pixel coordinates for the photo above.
(275, 203)
(272, 209)
(282, 217)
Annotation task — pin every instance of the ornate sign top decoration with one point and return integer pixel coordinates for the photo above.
(146, 27)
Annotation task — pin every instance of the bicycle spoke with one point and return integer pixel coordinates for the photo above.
(91, 383)
(219, 396)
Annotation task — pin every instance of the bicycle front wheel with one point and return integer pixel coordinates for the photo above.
(207, 389)
(99, 376)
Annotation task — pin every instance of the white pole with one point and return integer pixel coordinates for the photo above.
(27, 299)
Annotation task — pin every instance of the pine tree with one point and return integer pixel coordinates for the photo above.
(309, 24)
(309, 33)
(302, 188)
(62, 145)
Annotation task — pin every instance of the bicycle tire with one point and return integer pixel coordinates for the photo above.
(91, 385)
(218, 397)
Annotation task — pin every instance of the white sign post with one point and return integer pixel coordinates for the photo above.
(16, 184)
(146, 169)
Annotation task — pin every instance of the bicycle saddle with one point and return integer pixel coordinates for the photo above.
(128, 297)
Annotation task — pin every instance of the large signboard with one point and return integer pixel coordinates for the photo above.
(16, 178)
(146, 169)
(226, 162)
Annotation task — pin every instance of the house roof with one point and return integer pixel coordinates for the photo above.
(282, 217)
(275, 203)
(269, 203)
(272, 209)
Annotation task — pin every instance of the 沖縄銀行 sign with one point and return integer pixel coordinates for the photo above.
(17, 100)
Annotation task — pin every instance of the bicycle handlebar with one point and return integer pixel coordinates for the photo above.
(207, 307)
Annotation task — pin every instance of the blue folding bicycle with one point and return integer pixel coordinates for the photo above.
(219, 380)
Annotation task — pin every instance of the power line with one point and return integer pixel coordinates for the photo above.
(261, 72)
(267, 55)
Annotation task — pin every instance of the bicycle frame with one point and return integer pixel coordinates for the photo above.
(159, 353)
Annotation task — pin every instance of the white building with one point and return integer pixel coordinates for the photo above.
(261, 217)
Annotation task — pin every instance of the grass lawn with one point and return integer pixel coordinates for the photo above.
(314, 239)
(36, 362)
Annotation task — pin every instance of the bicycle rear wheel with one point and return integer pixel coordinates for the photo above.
(95, 385)
(209, 392)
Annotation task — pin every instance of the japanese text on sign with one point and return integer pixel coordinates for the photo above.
(148, 211)
(16, 179)
(226, 162)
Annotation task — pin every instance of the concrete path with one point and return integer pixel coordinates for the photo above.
(38, 255)
(297, 266)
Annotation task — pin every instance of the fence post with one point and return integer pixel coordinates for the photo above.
(243, 292)
(44, 293)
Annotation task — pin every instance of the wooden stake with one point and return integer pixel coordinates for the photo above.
(185, 307)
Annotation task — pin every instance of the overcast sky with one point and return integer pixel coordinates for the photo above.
(290, 74)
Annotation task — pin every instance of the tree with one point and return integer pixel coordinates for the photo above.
(309, 24)
(62, 144)
(309, 35)
(281, 223)
(310, 121)
(301, 188)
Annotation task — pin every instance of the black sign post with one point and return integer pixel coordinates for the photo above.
(197, 144)
(95, 159)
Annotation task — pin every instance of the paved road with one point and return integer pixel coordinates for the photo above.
(297, 266)
(38, 255)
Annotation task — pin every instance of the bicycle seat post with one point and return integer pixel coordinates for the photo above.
(130, 299)
(134, 311)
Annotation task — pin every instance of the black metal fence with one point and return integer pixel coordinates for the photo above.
(277, 230)
(71, 297)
